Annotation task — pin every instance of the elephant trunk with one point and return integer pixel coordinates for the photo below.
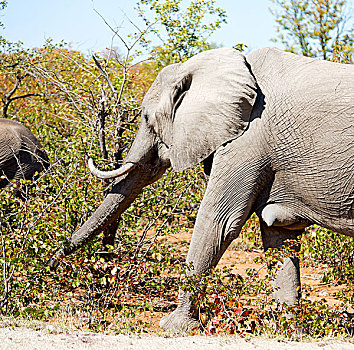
(116, 202)
(148, 167)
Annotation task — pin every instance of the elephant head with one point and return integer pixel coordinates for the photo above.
(21, 154)
(192, 119)
(183, 122)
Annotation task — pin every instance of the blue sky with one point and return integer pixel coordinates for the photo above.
(76, 22)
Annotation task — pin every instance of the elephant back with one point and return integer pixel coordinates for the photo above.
(278, 73)
(21, 153)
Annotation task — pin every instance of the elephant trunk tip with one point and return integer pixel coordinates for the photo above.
(53, 262)
(124, 169)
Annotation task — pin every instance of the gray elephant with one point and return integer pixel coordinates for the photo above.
(276, 132)
(21, 154)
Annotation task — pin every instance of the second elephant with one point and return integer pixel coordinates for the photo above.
(21, 154)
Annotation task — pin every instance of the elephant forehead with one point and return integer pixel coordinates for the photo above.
(215, 55)
(163, 83)
(170, 75)
(225, 60)
(152, 96)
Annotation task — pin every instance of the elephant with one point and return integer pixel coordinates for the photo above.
(275, 133)
(21, 154)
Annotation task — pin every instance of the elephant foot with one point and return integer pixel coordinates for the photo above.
(179, 321)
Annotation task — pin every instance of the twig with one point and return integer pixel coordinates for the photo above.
(105, 75)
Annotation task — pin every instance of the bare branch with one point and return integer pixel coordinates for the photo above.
(105, 75)
(113, 30)
(16, 86)
(101, 119)
(24, 96)
(8, 99)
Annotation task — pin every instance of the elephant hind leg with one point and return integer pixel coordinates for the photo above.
(287, 281)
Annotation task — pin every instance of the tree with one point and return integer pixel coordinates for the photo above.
(84, 107)
(3, 4)
(16, 82)
(184, 33)
(315, 28)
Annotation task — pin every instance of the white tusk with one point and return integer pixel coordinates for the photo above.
(125, 168)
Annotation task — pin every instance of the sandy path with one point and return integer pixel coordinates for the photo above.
(20, 338)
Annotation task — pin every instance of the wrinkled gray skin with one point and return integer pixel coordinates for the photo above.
(21, 154)
(277, 132)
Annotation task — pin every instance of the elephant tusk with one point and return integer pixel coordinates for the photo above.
(126, 168)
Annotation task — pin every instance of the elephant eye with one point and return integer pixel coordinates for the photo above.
(145, 115)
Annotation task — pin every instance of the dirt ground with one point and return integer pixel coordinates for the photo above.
(311, 276)
(18, 336)
(44, 338)
(241, 259)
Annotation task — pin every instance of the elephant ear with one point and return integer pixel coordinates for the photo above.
(211, 105)
(196, 106)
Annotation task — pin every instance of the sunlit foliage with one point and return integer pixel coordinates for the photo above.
(315, 28)
(81, 106)
(182, 30)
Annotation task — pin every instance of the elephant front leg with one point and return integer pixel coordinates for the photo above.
(207, 246)
(286, 283)
(232, 188)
